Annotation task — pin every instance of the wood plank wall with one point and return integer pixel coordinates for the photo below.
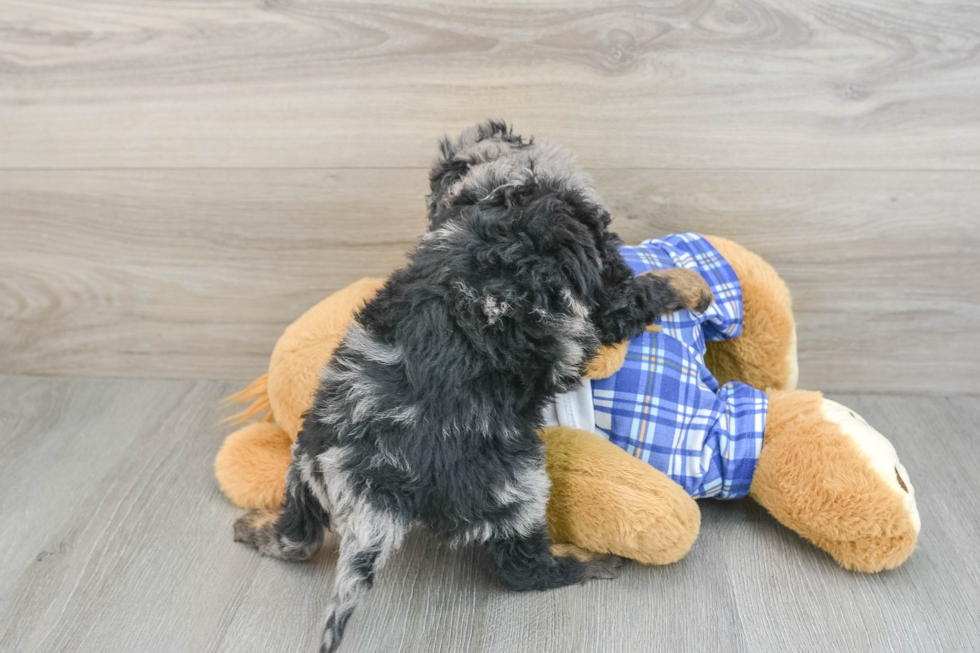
(180, 181)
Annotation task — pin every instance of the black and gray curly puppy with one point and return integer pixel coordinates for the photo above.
(428, 411)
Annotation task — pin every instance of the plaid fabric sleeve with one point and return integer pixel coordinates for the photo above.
(664, 406)
(723, 319)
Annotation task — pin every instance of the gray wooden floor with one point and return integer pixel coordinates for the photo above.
(114, 537)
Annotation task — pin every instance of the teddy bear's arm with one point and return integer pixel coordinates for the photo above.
(764, 355)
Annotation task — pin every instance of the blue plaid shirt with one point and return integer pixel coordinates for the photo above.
(664, 406)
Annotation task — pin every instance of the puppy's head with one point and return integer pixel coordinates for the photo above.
(465, 158)
(526, 235)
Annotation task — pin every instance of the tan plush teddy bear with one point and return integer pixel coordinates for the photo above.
(674, 415)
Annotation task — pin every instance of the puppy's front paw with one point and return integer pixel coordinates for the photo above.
(689, 288)
(605, 567)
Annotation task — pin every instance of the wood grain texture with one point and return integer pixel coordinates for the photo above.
(189, 274)
(115, 537)
(687, 83)
(180, 181)
(166, 274)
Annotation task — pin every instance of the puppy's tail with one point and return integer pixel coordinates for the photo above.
(364, 549)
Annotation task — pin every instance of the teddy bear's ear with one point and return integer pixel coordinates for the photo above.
(608, 361)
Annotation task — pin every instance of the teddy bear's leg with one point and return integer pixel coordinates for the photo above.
(826, 474)
(764, 355)
(604, 500)
(251, 465)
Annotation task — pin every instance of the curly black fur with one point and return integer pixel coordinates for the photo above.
(429, 410)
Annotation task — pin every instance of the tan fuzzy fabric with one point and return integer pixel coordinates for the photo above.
(604, 500)
(815, 480)
(608, 361)
(256, 395)
(306, 346)
(760, 355)
(251, 465)
(568, 550)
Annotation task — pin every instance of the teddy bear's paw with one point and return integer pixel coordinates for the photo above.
(605, 567)
(879, 451)
(251, 465)
(689, 288)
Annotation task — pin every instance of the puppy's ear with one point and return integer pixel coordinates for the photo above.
(614, 293)
(610, 267)
(446, 171)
